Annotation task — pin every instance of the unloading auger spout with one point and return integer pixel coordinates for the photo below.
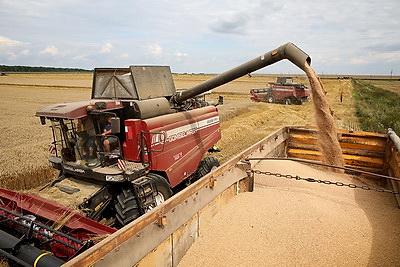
(287, 51)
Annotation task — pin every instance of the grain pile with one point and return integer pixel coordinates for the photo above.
(296, 223)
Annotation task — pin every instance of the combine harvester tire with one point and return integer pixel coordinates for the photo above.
(206, 165)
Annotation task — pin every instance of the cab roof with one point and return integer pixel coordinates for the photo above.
(78, 109)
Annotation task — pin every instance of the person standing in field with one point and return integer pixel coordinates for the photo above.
(341, 96)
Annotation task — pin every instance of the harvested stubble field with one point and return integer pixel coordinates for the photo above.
(24, 143)
(392, 85)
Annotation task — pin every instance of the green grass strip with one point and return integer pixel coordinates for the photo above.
(377, 109)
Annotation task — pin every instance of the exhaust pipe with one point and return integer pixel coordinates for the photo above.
(287, 51)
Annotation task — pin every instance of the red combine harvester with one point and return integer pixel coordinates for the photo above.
(282, 91)
(133, 139)
(134, 143)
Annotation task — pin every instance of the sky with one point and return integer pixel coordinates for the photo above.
(355, 37)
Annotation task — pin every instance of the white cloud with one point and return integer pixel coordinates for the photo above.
(374, 57)
(125, 55)
(79, 58)
(4, 41)
(389, 56)
(50, 49)
(25, 52)
(11, 56)
(155, 49)
(358, 61)
(180, 54)
(106, 48)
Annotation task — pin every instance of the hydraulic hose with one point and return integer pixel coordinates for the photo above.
(28, 254)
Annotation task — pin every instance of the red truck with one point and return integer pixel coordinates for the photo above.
(282, 91)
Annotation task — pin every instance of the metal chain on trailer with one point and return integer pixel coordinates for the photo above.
(327, 182)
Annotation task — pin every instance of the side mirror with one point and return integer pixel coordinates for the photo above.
(115, 125)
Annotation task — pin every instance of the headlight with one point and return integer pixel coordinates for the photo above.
(114, 178)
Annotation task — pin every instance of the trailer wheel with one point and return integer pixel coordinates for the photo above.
(207, 165)
(163, 188)
(288, 101)
(127, 208)
(270, 99)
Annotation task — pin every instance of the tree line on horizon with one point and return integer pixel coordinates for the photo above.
(5, 68)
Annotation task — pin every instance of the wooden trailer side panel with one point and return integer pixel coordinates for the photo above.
(361, 150)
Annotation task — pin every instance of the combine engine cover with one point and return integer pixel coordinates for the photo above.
(135, 82)
(175, 143)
